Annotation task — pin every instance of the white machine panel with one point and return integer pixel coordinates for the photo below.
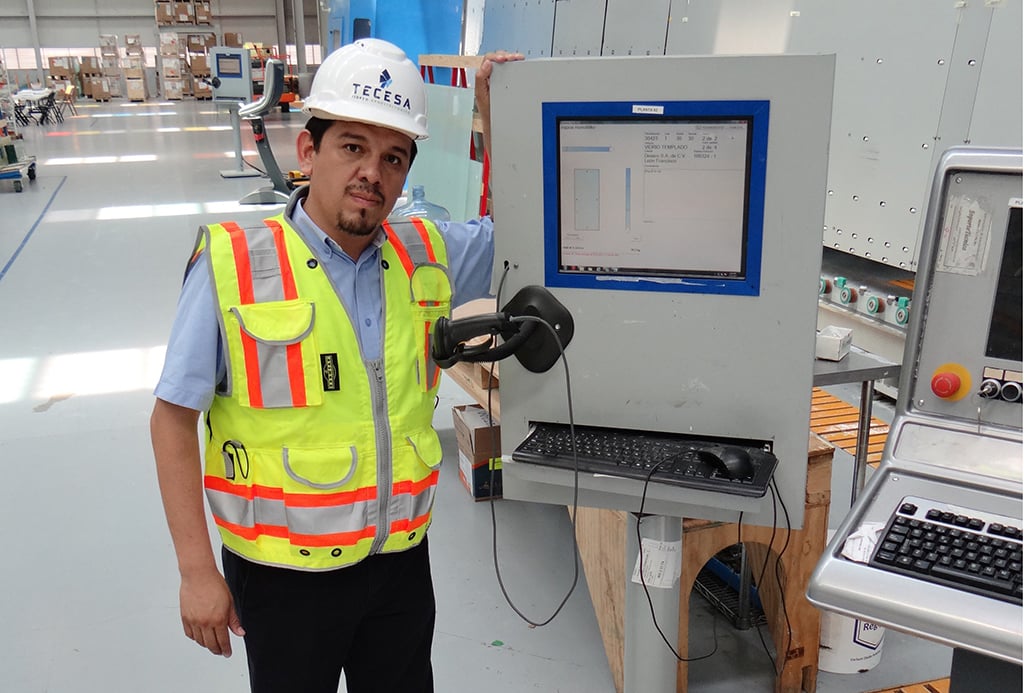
(912, 79)
(579, 26)
(673, 358)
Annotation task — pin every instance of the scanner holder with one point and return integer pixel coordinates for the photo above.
(534, 345)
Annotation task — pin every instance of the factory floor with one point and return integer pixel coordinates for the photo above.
(91, 259)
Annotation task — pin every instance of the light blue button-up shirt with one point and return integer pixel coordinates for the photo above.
(195, 362)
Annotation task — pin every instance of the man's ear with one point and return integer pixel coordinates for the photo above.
(304, 151)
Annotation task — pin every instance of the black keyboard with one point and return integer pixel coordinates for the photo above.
(973, 551)
(679, 460)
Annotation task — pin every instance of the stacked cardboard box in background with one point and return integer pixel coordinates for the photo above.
(479, 451)
(110, 66)
(134, 64)
(202, 12)
(173, 68)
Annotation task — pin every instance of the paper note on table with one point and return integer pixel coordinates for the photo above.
(861, 544)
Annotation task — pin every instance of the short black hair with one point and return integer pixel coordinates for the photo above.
(318, 126)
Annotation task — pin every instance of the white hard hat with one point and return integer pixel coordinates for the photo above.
(370, 81)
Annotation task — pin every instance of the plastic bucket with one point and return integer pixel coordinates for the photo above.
(848, 645)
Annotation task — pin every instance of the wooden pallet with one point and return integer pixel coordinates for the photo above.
(836, 421)
(936, 686)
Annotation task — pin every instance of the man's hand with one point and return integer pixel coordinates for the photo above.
(208, 612)
(482, 88)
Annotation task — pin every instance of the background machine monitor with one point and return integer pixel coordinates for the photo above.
(232, 73)
(673, 205)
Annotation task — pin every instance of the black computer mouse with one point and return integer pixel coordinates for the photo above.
(731, 462)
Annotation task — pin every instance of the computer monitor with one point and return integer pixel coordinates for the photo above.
(655, 196)
(1004, 332)
(229, 66)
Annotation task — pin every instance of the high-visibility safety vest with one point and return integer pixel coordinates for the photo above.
(317, 458)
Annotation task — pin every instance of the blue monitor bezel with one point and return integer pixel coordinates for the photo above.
(232, 73)
(758, 114)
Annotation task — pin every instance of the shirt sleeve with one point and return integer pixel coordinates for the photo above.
(193, 364)
(470, 258)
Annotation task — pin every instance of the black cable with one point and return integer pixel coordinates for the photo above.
(764, 569)
(575, 496)
(778, 577)
(647, 592)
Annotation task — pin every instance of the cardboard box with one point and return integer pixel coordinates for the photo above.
(164, 13)
(173, 89)
(184, 13)
(169, 43)
(134, 67)
(203, 14)
(475, 437)
(108, 41)
(479, 451)
(90, 65)
(171, 66)
(135, 89)
(232, 39)
(200, 43)
(833, 343)
(100, 88)
(200, 66)
(476, 477)
(133, 44)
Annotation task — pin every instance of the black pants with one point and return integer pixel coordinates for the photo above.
(375, 620)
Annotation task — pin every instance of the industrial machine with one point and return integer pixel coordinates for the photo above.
(932, 546)
(672, 210)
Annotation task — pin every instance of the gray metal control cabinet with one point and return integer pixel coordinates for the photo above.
(706, 364)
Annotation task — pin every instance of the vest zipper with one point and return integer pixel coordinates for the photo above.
(382, 428)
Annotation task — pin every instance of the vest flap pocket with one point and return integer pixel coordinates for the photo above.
(320, 468)
(430, 284)
(277, 323)
(427, 447)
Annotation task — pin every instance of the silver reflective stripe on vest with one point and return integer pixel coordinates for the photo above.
(264, 263)
(350, 517)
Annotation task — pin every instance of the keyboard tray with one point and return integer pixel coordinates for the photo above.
(680, 460)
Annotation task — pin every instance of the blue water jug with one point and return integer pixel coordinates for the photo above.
(419, 206)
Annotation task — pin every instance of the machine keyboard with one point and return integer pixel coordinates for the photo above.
(675, 459)
(968, 550)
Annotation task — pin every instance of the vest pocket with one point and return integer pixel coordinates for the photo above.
(427, 447)
(328, 504)
(274, 359)
(431, 298)
(324, 469)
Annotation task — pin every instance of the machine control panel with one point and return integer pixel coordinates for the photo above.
(969, 362)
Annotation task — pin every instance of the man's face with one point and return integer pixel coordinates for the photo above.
(355, 177)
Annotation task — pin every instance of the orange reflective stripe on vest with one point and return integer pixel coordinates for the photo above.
(272, 279)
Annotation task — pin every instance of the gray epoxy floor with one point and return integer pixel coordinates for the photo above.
(91, 257)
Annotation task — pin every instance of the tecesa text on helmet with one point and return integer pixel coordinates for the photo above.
(368, 91)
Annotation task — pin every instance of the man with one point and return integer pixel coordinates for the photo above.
(305, 340)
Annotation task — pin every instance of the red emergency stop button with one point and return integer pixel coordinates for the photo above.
(945, 384)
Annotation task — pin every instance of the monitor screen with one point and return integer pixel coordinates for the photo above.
(229, 66)
(1004, 334)
(655, 196)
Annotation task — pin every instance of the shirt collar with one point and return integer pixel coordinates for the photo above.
(314, 236)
